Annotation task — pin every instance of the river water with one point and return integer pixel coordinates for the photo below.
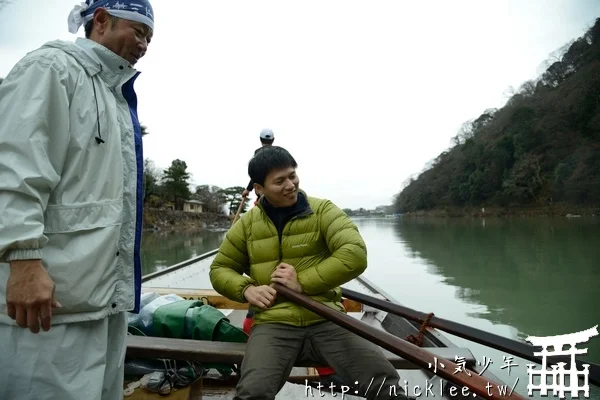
(512, 277)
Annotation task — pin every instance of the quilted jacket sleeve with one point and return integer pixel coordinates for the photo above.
(348, 253)
(34, 138)
(230, 263)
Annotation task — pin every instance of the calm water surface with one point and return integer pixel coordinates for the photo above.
(514, 277)
(161, 250)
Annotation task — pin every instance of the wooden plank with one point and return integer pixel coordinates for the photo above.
(212, 393)
(209, 296)
(176, 394)
(233, 353)
(289, 391)
(184, 349)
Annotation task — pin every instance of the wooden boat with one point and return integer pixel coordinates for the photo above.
(185, 278)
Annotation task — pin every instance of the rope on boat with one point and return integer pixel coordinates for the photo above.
(417, 340)
(204, 299)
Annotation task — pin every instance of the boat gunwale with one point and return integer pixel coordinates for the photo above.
(175, 267)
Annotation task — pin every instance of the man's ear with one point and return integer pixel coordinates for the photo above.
(258, 188)
(101, 20)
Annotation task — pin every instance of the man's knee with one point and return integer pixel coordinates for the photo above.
(259, 380)
(376, 376)
(256, 389)
(269, 358)
(384, 381)
(380, 366)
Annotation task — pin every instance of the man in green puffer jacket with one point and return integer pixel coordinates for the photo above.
(312, 247)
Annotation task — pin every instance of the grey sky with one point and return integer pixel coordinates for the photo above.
(363, 94)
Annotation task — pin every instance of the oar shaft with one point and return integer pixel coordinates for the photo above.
(477, 384)
(238, 210)
(523, 350)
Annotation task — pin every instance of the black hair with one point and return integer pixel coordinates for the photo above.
(88, 28)
(267, 141)
(267, 159)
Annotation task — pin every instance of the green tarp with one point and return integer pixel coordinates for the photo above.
(192, 319)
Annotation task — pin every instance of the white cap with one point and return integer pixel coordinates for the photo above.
(267, 134)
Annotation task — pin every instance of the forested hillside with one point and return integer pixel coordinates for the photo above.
(542, 147)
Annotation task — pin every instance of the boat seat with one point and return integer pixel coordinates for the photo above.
(204, 351)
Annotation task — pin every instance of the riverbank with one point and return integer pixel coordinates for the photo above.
(165, 220)
(555, 210)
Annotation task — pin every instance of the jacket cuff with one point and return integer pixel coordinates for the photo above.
(22, 254)
(243, 299)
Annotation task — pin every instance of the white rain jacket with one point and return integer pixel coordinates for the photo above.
(71, 176)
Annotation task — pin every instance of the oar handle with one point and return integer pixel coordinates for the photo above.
(421, 357)
(520, 349)
(238, 210)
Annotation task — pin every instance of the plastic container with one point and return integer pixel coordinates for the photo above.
(146, 298)
(147, 313)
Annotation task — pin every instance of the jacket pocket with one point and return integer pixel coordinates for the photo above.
(64, 219)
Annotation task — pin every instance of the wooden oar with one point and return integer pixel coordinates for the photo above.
(523, 350)
(423, 358)
(238, 210)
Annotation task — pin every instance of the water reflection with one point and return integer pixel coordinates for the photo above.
(161, 250)
(539, 276)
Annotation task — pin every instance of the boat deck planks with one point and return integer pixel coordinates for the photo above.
(143, 394)
(290, 391)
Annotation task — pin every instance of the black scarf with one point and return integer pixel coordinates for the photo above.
(281, 215)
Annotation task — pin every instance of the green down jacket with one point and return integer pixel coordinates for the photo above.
(323, 244)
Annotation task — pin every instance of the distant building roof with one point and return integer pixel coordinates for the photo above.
(194, 202)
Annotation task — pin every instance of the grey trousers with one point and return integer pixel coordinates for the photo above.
(83, 360)
(274, 349)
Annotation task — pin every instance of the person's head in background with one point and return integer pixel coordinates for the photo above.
(267, 137)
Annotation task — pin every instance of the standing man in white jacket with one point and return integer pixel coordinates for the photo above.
(71, 207)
